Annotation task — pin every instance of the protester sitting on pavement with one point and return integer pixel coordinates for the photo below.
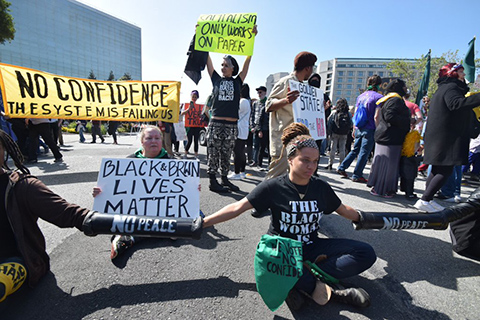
(22, 252)
(364, 132)
(297, 201)
(151, 139)
(222, 128)
(447, 136)
(239, 157)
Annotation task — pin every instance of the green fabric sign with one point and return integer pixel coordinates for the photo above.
(229, 33)
(278, 266)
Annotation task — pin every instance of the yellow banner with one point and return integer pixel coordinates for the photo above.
(29, 93)
(226, 33)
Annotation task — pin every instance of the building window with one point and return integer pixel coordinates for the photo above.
(340, 73)
(348, 93)
(339, 93)
(360, 80)
(349, 86)
(329, 76)
(328, 88)
(360, 73)
(350, 73)
(329, 81)
(380, 73)
(339, 86)
(350, 80)
(359, 86)
(340, 80)
(370, 73)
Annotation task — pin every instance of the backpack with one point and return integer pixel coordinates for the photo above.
(360, 118)
(341, 123)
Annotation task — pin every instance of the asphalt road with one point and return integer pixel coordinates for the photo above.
(416, 275)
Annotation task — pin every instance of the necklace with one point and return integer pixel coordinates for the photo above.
(301, 195)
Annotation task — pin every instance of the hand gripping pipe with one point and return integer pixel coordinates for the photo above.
(437, 221)
(146, 226)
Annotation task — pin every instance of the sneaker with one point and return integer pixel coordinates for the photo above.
(458, 199)
(360, 180)
(388, 195)
(356, 297)
(243, 175)
(235, 176)
(295, 300)
(58, 160)
(374, 193)
(425, 206)
(452, 199)
(436, 206)
(342, 173)
(120, 244)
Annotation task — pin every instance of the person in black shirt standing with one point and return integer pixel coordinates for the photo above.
(222, 129)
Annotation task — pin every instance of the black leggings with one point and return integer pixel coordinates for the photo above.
(436, 180)
(239, 155)
(193, 134)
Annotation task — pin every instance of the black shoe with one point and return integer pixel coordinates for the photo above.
(342, 173)
(32, 161)
(93, 142)
(229, 185)
(295, 300)
(356, 297)
(255, 213)
(216, 187)
(412, 196)
(329, 167)
(58, 160)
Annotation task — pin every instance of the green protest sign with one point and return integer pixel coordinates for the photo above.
(229, 33)
(278, 266)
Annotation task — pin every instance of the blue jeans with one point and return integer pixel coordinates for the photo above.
(452, 187)
(363, 145)
(80, 133)
(345, 258)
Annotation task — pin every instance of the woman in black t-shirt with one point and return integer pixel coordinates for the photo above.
(297, 201)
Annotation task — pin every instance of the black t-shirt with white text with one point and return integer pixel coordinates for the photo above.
(227, 96)
(292, 216)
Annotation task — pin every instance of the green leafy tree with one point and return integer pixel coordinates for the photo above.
(126, 76)
(7, 27)
(111, 77)
(412, 73)
(91, 75)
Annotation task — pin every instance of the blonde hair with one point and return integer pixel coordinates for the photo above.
(147, 127)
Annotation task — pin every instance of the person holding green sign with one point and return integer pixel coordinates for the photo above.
(222, 129)
(298, 200)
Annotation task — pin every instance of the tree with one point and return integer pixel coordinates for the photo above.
(412, 73)
(111, 77)
(91, 75)
(126, 76)
(7, 27)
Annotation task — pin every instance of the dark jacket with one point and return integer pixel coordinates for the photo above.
(28, 199)
(394, 122)
(447, 134)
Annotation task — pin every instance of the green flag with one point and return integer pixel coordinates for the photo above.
(423, 88)
(469, 62)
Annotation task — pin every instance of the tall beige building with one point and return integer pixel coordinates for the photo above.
(347, 77)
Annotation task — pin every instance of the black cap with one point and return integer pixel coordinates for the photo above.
(263, 88)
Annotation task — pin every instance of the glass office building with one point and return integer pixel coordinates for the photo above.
(68, 38)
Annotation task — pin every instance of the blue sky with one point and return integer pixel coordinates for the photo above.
(330, 29)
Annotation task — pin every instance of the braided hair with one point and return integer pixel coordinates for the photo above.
(12, 150)
(295, 137)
